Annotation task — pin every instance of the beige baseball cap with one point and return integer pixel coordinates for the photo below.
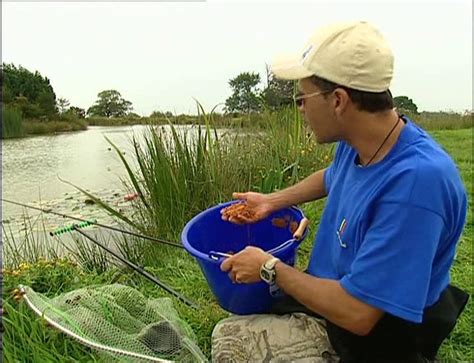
(353, 54)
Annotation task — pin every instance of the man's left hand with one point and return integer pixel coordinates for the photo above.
(244, 267)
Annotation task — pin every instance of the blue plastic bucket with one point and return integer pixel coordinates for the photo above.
(207, 232)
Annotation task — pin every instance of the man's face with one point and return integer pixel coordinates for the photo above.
(317, 111)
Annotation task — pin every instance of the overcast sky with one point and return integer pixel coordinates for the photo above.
(161, 55)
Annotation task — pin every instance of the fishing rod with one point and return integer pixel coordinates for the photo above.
(169, 243)
(86, 223)
(137, 269)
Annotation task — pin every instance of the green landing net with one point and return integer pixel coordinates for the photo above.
(120, 323)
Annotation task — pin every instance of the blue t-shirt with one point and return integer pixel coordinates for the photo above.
(389, 231)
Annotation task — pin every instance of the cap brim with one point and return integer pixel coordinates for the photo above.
(289, 68)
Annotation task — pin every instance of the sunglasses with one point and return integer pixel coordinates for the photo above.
(299, 99)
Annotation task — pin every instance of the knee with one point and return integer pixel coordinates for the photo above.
(227, 327)
(229, 340)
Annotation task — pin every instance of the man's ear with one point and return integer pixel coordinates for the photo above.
(340, 101)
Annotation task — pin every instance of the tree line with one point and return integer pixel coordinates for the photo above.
(33, 96)
(250, 96)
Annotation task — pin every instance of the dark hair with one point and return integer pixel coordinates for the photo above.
(365, 101)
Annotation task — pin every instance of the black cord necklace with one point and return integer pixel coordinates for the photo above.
(384, 141)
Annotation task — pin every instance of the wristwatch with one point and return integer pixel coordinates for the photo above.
(267, 271)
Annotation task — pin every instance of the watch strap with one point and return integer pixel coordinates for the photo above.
(270, 264)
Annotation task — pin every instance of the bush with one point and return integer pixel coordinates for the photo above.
(35, 127)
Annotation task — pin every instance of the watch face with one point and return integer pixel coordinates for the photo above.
(265, 275)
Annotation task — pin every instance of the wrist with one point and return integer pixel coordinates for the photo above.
(268, 270)
(277, 201)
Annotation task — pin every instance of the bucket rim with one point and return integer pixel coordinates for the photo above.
(201, 255)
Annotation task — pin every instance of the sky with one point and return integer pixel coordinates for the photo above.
(165, 55)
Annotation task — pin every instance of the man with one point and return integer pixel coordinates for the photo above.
(377, 285)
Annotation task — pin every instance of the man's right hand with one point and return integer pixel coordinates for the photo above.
(260, 204)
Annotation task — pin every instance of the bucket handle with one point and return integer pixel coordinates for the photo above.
(280, 247)
(216, 256)
(301, 229)
(297, 235)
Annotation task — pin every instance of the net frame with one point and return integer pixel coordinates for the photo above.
(23, 291)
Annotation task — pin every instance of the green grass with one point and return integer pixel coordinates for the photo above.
(460, 345)
(427, 120)
(35, 127)
(256, 120)
(443, 121)
(11, 123)
(176, 185)
(116, 121)
(14, 126)
(26, 337)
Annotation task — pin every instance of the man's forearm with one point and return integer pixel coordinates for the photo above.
(310, 188)
(327, 298)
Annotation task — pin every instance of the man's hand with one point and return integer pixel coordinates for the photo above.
(259, 203)
(244, 267)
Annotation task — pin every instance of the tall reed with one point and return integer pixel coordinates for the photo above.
(11, 122)
(29, 245)
(180, 171)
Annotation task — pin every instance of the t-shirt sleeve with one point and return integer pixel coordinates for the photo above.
(392, 268)
(331, 169)
(328, 177)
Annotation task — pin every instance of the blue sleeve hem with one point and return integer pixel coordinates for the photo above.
(326, 182)
(400, 311)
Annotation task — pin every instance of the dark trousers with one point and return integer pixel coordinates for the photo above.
(392, 340)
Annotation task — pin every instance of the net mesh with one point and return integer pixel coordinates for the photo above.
(120, 317)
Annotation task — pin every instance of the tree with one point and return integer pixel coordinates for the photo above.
(244, 93)
(27, 109)
(278, 93)
(110, 104)
(47, 103)
(7, 94)
(405, 104)
(133, 115)
(160, 114)
(30, 92)
(63, 105)
(76, 111)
